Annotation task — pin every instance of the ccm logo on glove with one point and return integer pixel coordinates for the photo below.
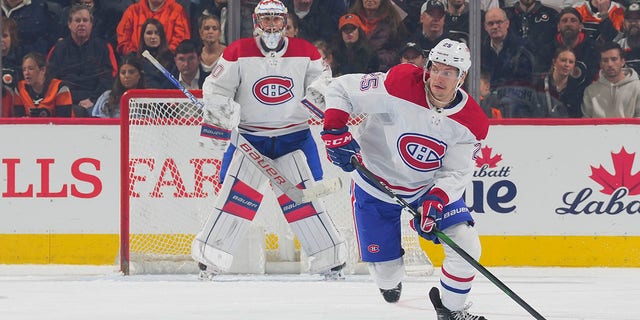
(337, 140)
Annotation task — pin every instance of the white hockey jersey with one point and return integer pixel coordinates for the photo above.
(405, 141)
(267, 85)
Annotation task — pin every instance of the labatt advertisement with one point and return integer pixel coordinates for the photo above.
(543, 192)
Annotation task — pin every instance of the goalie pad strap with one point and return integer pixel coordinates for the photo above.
(236, 206)
(214, 132)
(313, 227)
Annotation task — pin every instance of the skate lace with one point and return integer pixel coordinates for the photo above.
(465, 315)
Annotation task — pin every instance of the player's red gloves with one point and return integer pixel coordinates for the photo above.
(341, 147)
(430, 216)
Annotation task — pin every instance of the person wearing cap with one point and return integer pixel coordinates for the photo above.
(535, 23)
(432, 29)
(571, 34)
(411, 52)
(352, 53)
(384, 28)
(602, 19)
(630, 41)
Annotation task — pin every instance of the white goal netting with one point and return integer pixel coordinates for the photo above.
(169, 188)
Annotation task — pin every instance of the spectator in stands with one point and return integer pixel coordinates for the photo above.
(503, 55)
(318, 19)
(457, 19)
(352, 51)
(210, 35)
(170, 14)
(11, 64)
(106, 16)
(570, 34)
(536, 24)
(217, 8)
(556, 4)
(36, 28)
(84, 62)
(601, 19)
(630, 41)
(616, 93)
(413, 11)
(561, 93)
(188, 70)
(40, 95)
(432, 29)
(10, 56)
(326, 51)
(293, 25)
(384, 29)
(412, 52)
(153, 39)
(130, 76)
(489, 101)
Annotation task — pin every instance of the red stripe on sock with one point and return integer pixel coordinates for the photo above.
(454, 278)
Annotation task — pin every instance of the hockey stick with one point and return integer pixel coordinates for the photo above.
(444, 238)
(264, 164)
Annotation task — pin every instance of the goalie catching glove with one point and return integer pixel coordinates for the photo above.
(220, 116)
(341, 147)
(430, 216)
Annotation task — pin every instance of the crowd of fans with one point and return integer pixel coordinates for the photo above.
(549, 58)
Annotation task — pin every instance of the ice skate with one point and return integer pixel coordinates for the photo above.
(392, 295)
(334, 273)
(206, 273)
(446, 314)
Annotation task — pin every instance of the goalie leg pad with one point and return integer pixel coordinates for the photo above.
(311, 224)
(457, 274)
(387, 274)
(236, 206)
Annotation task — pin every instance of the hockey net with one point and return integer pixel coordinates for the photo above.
(169, 188)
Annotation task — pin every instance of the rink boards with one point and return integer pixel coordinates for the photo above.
(544, 193)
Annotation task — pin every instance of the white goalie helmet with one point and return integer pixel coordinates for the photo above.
(271, 36)
(451, 53)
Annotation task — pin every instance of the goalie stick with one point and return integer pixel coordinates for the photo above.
(263, 163)
(444, 238)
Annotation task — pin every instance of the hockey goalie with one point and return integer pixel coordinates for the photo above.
(253, 99)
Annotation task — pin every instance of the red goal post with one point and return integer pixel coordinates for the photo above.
(169, 187)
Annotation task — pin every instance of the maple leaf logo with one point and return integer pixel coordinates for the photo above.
(622, 176)
(487, 159)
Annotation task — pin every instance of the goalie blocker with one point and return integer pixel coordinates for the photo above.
(237, 205)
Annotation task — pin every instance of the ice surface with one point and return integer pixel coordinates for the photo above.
(81, 292)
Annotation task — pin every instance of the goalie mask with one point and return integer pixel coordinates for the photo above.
(269, 22)
(451, 53)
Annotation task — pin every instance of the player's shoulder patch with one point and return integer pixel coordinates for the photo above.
(472, 117)
(404, 81)
(242, 48)
(299, 47)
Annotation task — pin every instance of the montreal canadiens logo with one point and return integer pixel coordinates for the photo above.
(273, 90)
(373, 248)
(422, 153)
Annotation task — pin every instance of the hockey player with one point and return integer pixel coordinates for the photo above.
(255, 90)
(420, 138)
